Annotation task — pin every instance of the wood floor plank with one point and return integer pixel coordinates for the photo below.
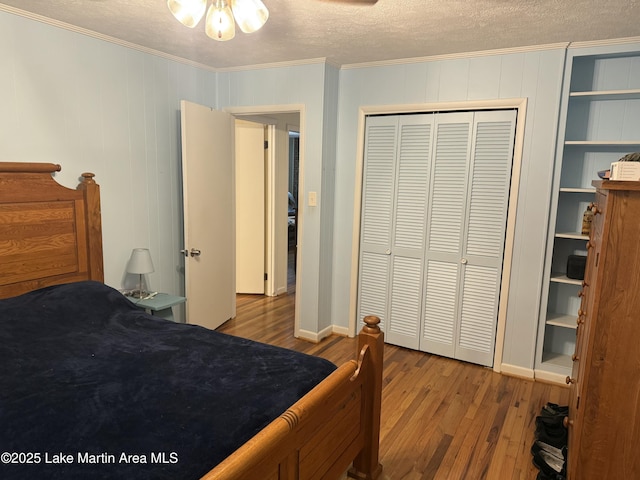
(442, 419)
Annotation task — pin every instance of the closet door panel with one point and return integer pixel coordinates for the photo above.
(410, 214)
(489, 188)
(373, 286)
(449, 183)
(440, 308)
(404, 316)
(478, 315)
(378, 184)
(413, 183)
(485, 224)
(445, 232)
(396, 181)
(377, 217)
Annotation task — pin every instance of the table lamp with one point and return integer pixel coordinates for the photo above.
(140, 263)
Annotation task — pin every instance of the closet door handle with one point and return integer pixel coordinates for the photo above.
(463, 261)
(387, 252)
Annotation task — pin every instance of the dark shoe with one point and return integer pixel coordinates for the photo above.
(555, 438)
(555, 422)
(559, 453)
(549, 465)
(552, 409)
(544, 476)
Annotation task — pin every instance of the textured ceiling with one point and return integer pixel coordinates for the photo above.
(348, 32)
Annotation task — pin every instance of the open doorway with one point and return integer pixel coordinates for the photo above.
(280, 179)
(292, 227)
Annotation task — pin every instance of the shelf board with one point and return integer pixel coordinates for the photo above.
(561, 320)
(562, 278)
(558, 359)
(630, 94)
(572, 235)
(577, 190)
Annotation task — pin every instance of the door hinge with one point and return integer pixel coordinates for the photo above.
(265, 277)
(266, 144)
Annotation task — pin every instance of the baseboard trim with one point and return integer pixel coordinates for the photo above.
(550, 377)
(344, 331)
(315, 337)
(515, 371)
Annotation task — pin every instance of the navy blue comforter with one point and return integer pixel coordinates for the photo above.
(92, 387)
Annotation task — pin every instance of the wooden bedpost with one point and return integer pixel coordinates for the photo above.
(91, 191)
(366, 465)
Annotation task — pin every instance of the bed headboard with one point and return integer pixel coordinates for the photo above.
(49, 234)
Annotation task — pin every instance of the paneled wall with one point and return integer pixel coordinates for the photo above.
(535, 75)
(280, 89)
(95, 106)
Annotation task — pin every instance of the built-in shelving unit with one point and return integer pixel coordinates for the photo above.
(599, 123)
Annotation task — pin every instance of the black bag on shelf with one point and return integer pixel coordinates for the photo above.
(575, 266)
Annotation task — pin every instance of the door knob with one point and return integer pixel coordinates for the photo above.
(194, 252)
(463, 261)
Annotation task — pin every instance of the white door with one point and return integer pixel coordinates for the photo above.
(434, 209)
(250, 207)
(209, 214)
(396, 183)
(469, 197)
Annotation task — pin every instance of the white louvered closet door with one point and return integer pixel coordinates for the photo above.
(376, 217)
(445, 231)
(466, 233)
(393, 226)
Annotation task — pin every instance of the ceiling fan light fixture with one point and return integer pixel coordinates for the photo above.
(187, 12)
(251, 15)
(219, 24)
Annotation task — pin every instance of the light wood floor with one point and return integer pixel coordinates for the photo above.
(441, 418)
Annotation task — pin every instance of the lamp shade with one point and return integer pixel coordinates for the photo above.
(251, 15)
(140, 261)
(188, 12)
(219, 22)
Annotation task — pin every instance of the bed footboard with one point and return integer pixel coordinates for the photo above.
(333, 426)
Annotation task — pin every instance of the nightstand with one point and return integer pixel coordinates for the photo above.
(160, 305)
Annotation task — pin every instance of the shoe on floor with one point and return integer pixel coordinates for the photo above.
(560, 453)
(544, 476)
(549, 465)
(552, 409)
(552, 436)
(555, 422)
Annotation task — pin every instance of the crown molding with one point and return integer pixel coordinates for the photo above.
(458, 56)
(100, 36)
(262, 66)
(321, 60)
(605, 43)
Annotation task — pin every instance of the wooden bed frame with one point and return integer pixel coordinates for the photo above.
(50, 234)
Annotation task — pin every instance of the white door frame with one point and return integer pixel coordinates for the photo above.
(246, 113)
(520, 104)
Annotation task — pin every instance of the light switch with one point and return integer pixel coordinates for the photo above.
(313, 199)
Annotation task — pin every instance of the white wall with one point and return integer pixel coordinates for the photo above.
(536, 75)
(94, 106)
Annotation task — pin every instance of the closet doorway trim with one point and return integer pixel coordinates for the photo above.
(520, 104)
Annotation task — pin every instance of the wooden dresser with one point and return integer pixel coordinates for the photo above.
(604, 405)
